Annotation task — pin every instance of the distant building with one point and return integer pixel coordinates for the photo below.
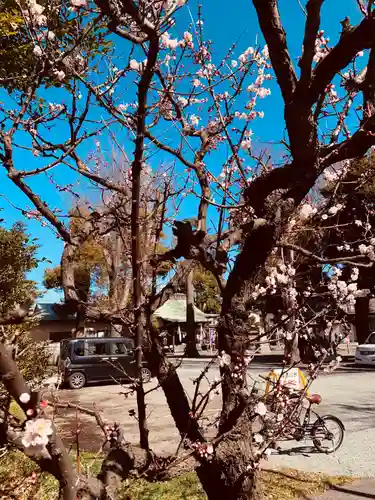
(54, 325)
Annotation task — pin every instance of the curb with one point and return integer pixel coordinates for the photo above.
(260, 358)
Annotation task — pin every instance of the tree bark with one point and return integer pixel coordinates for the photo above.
(191, 343)
(362, 318)
(137, 302)
(230, 474)
(143, 88)
(291, 353)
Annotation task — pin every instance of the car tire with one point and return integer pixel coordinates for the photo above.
(76, 380)
(146, 375)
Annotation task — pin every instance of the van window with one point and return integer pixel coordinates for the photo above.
(117, 348)
(371, 339)
(95, 348)
(64, 349)
(79, 348)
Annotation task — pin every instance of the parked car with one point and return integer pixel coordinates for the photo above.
(365, 353)
(102, 359)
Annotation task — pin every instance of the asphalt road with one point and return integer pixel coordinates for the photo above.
(347, 393)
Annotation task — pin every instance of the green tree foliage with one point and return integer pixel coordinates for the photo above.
(89, 261)
(17, 60)
(17, 258)
(207, 292)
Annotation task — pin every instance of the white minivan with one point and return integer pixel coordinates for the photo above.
(365, 353)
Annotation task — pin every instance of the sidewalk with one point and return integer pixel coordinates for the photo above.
(358, 490)
(276, 356)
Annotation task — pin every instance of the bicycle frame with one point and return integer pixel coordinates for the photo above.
(300, 430)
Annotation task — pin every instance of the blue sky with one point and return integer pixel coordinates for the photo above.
(224, 22)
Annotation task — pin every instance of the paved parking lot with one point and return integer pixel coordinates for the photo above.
(348, 394)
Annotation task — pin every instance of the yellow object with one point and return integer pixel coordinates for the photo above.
(17, 411)
(293, 378)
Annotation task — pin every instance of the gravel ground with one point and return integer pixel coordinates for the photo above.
(346, 394)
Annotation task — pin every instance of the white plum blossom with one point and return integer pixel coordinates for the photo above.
(194, 120)
(168, 42)
(245, 55)
(306, 211)
(234, 63)
(24, 398)
(210, 449)
(59, 74)
(355, 273)
(263, 92)
(336, 208)
(134, 64)
(188, 37)
(258, 438)
(358, 222)
(254, 318)
(224, 359)
(34, 13)
(51, 36)
(183, 101)
(38, 51)
(196, 83)
(360, 53)
(260, 408)
(330, 176)
(78, 4)
(363, 249)
(54, 107)
(321, 49)
(37, 433)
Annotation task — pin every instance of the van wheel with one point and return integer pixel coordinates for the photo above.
(76, 380)
(146, 375)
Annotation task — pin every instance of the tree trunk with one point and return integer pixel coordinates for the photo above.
(174, 391)
(137, 305)
(79, 330)
(138, 309)
(229, 475)
(362, 318)
(291, 353)
(191, 343)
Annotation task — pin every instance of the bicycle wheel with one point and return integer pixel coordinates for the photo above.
(327, 434)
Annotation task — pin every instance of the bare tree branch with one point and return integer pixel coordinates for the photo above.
(273, 32)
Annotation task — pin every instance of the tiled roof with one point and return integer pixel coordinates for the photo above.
(174, 310)
(48, 312)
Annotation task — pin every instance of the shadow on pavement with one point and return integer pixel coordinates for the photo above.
(305, 451)
(353, 493)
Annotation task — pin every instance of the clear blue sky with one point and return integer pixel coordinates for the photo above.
(224, 22)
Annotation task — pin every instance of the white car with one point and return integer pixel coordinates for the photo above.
(365, 353)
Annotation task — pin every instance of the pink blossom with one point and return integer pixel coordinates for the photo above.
(38, 51)
(260, 408)
(78, 4)
(188, 37)
(194, 120)
(24, 398)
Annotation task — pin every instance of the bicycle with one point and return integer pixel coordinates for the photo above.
(323, 430)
